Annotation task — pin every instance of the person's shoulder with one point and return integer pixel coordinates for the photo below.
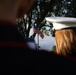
(68, 60)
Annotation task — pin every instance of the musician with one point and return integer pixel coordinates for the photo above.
(64, 32)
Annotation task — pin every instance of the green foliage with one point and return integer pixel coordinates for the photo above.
(64, 8)
(44, 8)
(36, 16)
(54, 48)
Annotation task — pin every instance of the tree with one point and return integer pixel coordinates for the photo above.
(46, 8)
(36, 16)
(64, 8)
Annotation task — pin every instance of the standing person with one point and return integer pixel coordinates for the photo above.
(64, 31)
(15, 55)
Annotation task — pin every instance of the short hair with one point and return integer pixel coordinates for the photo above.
(66, 41)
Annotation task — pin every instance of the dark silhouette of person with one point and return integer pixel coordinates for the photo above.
(16, 57)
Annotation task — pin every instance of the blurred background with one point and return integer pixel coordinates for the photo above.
(36, 16)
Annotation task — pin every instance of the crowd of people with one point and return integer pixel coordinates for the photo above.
(16, 57)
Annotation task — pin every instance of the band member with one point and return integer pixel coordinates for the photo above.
(64, 32)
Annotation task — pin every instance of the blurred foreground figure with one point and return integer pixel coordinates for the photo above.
(16, 57)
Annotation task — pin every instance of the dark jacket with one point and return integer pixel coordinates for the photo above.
(17, 58)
